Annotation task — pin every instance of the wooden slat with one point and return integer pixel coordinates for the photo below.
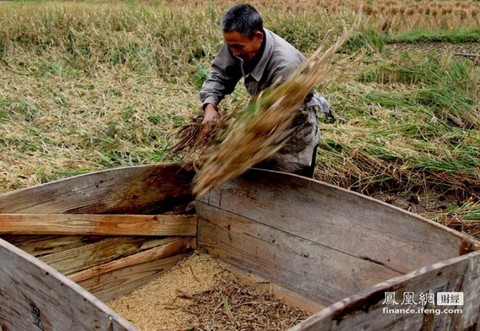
(34, 296)
(87, 256)
(120, 277)
(120, 282)
(177, 246)
(366, 310)
(149, 189)
(342, 220)
(100, 225)
(314, 271)
(37, 245)
(471, 289)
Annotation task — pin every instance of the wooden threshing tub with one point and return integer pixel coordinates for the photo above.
(72, 244)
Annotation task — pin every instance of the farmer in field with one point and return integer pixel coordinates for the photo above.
(261, 58)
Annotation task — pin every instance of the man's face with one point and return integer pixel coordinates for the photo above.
(241, 46)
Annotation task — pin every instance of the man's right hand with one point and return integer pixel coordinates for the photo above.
(210, 114)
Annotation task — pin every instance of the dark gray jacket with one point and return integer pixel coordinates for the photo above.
(279, 60)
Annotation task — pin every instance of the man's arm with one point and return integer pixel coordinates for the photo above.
(221, 80)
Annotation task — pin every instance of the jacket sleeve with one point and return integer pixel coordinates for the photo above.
(222, 78)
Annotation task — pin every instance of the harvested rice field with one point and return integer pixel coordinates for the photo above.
(200, 293)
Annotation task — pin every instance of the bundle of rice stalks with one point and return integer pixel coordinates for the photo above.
(196, 138)
(263, 127)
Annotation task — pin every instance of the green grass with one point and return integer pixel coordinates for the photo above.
(425, 36)
(87, 87)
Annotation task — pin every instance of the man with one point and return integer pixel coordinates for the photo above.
(262, 58)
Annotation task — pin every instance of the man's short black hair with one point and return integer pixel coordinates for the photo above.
(242, 18)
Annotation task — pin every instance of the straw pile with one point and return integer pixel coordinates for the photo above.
(264, 126)
(231, 305)
(201, 293)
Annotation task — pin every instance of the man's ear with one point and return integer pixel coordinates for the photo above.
(258, 34)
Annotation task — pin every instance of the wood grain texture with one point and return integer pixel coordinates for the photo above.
(39, 245)
(326, 244)
(366, 310)
(291, 298)
(314, 271)
(99, 225)
(34, 296)
(149, 189)
(339, 219)
(174, 247)
(107, 266)
(120, 282)
(87, 256)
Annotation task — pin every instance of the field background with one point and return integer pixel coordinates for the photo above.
(86, 86)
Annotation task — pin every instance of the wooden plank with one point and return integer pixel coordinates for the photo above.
(120, 277)
(177, 246)
(37, 245)
(120, 282)
(342, 220)
(368, 310)
(80, 258)
(314, 271)
(34, 296)
(471, 290)
(99, 225)
(149, 189)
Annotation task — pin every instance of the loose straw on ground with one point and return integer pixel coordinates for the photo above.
(264, 126)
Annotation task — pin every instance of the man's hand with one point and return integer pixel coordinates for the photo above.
(210, 114)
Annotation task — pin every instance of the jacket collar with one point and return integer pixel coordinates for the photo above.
(259, 69)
